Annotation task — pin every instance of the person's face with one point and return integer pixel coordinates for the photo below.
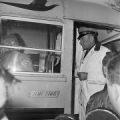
(87, 41)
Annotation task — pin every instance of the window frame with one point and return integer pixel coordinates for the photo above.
(41, 21)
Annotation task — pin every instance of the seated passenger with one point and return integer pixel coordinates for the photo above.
(109, 97)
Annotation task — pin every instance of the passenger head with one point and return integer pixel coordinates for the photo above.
(113, 81)
(11, 40)
(106, 60)
(88, 38)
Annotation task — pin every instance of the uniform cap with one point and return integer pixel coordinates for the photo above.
(84, 31)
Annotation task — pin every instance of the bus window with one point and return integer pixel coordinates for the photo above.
(41, 42)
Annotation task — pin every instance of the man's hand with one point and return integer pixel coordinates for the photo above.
(82, 75)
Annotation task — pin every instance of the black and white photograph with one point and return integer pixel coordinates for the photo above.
(59, 59)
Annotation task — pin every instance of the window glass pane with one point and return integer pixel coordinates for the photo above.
(34, 47)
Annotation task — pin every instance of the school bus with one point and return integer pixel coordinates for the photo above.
(49, 31)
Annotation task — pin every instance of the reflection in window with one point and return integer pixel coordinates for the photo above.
(36, 47)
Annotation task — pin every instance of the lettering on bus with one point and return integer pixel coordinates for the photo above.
(45, 93)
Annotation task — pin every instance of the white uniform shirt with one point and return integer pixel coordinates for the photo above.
(92, 64)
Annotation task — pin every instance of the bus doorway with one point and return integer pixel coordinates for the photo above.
(89, 62)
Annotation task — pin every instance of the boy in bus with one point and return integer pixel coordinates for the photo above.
(90, 72)
(109, 97)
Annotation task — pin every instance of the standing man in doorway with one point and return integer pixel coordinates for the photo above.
(90, 72)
